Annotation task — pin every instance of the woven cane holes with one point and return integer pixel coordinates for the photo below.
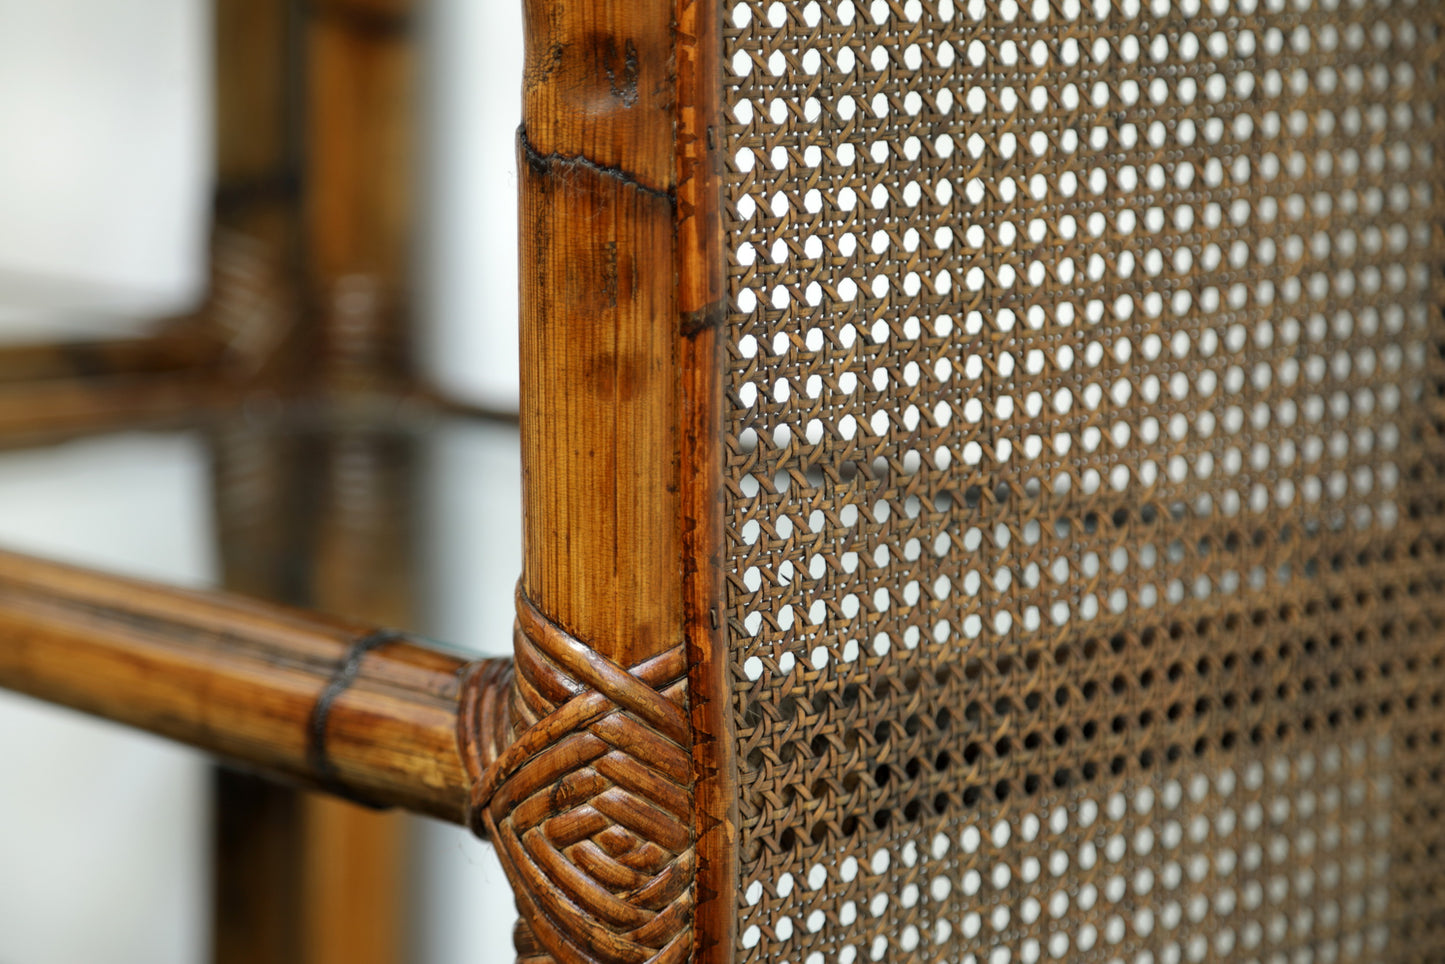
(1256, 862)
(1082, 367)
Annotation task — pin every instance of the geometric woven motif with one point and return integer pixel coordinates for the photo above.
(590, 807)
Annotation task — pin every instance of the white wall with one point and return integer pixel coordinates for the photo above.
(462, 910)
(105, 162)
(468, 266)
(105, 175)
(105, 832)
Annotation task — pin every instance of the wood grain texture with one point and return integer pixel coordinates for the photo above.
(702, 294)
(597, 425)
(621, 275)
(600, 600)
(317, 701)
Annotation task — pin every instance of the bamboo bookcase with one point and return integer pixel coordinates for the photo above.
(981, 497)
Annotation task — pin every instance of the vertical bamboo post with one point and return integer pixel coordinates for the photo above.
(256, 907)
(599, 365)
(315, 113)
(618, 381)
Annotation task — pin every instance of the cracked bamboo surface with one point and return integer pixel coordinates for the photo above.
(620, 406)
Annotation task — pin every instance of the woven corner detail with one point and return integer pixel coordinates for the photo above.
(590, 806)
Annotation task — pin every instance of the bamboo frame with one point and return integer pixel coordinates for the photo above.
(622, 291)
(610, 730)
(294, 143)
(368, 714)
(600, 760)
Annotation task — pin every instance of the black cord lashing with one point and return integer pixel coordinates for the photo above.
(321, 712)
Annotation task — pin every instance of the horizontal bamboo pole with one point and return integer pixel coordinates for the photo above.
(344, 708)
(58, 409)
(180, 345)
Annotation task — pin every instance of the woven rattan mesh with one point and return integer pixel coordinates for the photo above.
(1083, 481)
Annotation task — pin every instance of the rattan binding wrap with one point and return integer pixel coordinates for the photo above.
(590, 806)
(1083, 486)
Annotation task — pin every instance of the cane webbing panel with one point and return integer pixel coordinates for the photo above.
(1083, 479)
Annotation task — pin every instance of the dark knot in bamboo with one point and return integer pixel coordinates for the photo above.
(590, 806)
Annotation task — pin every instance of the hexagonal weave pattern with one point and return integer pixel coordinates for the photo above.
(1084, 492)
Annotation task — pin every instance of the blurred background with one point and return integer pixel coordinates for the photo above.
(251, 198)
